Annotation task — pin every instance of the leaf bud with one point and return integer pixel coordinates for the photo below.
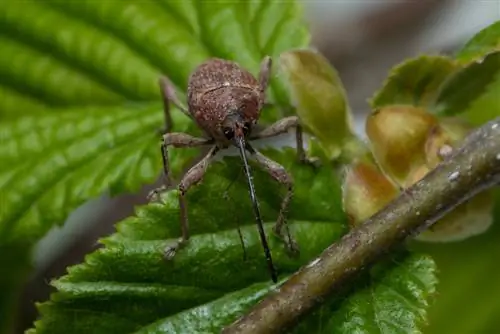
(365, 191)
(319, 98)
(397, 136)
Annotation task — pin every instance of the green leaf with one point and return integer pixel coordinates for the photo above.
(414, 82)
(54, 163)
(177, 37)
(395, 301)
(210, 317)
(127, 287)
(392, 299)
(128, 282)
(473, 91)
(484, 42)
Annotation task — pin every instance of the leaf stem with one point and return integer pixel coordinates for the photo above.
(472, 168)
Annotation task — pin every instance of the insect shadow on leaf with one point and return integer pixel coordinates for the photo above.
(225, 101)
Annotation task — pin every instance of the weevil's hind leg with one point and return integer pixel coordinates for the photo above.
(192, 177)
(169, 96)
(176, 140)
(282, 126)
(279, 173)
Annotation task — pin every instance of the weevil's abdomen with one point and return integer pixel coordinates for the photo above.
(219, 87)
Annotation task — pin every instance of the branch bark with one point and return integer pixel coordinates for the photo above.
(474, 167)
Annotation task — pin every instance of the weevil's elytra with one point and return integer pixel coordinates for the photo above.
(225, 101)
(220, 88)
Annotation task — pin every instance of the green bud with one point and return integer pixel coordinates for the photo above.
(319, 98)
(397, 136)
(365, 191)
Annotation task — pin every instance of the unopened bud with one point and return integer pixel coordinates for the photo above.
(398, 135)
(319, 98)
(365, 191)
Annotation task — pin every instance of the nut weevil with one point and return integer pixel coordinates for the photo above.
(225, 101)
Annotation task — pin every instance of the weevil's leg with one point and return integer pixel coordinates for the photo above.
(265, 74)
(279, 173)
(192, 177)
(282, 126)
(174, 139)
(169, 96)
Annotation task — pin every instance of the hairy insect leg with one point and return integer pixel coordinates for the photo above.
(282, 126)
(192, 177)
(169, 96)
(175, 139)
(280, 174)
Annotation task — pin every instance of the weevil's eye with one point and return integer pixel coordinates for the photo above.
(228, 132)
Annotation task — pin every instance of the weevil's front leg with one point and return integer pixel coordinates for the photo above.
(279, 173)
(282, 126)
(174, 139)
(169, 96)
(192, 177)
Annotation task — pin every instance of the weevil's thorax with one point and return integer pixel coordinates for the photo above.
(221, 93)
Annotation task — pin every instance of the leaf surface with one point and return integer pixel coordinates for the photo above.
(208, 284)
(473, 91)
(484, 42)
(414, 82)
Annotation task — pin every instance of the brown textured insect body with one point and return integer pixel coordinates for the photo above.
(225, 101)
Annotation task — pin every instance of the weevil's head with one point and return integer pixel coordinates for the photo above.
(241, 114)
(236, 126)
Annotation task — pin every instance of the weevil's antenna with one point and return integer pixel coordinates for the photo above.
(241, 145)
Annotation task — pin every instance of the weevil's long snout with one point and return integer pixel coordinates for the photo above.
(240, 140)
